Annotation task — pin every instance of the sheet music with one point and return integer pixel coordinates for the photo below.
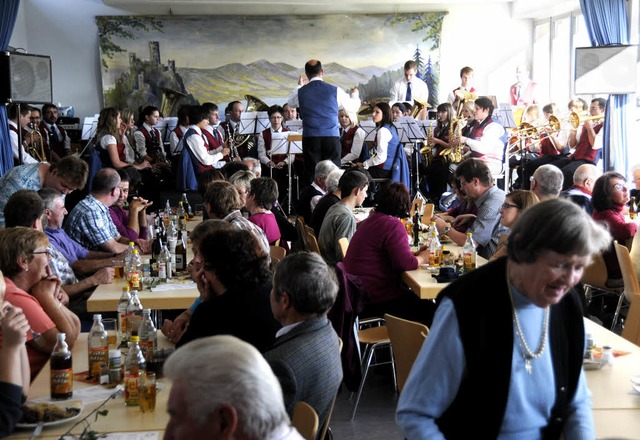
(295, 143)
(408, 129)
(280, 143)
(89, 127)
(253, 122)
(171, 123)
(425, 125)
(293, 125)
(370, 130)
(504, 116)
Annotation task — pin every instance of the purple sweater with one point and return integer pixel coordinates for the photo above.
(379, 253)
(120, 217)
(267, 222)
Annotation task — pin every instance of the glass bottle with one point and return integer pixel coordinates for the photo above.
(469, 253)
(148, 335)
(61, 369)
(122, 315)
(128, 254)
(165, 268)
(181, 217)
(134, 314)
(98, 346)
(181, 252)
(134, 367)
(187, 206)
(633, 208)
(134, 270)
(434, 248)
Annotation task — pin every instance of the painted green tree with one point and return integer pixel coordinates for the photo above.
(122, 27)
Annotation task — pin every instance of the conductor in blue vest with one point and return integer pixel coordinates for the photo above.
(319, 103)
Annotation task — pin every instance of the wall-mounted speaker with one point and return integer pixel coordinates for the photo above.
(25, 78)
(606, 69)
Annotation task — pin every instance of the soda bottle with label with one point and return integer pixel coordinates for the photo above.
(98, 346)
(148, 335)
(128, 254)
(134, 315)
(181, 252)
(134, 367)
(61, 369)
(434, 248)
(469, 253)
(135, 271)
(122, 315)
(165, 267)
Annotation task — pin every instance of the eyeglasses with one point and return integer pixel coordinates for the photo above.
(509, 205)
(620, 187)
(46, 251)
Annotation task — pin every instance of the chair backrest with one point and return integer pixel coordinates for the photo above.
(406, 340)
(596, 273)
(428, 213)
(277, 252)
(302, 234)
(305, 420)
(312, 241)
(344, 245)
(631, 330)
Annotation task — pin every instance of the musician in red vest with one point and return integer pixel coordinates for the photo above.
(180, 130)
(215, 138)
(276, 163)
(56, 141)
(523, 92)
(148, 138)
(21, 119)
(487, 138)
(197, 142)
(466, 77)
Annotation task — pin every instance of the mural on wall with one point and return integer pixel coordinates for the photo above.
(169, 61)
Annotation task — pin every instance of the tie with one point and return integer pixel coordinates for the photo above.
(216, 134)
(54, 135)
(408, 97)
(152, 134)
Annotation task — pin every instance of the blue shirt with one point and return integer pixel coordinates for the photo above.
(71, 250)
(438, 371)
(90, 224)
(20, 177)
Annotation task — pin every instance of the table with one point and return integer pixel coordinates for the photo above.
(421, 282)
(121, 418)
(105, 298)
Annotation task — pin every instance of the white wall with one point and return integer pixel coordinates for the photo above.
(481, 36)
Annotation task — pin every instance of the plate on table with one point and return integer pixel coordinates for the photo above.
(49, 413)
(595, 364)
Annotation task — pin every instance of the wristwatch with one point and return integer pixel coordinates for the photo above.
(446, 230)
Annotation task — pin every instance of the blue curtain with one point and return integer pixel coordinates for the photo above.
(8, 14)
(606, 22)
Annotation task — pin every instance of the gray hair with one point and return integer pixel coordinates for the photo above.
(555, 225)
(207, 226)
(584, 172)
(256, 167)
(308, 281)
(549, 179)
(332, 180)
(49, 196)
(220, 370)
(324, 168)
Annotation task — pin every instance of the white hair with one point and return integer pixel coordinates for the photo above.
(257, 167)
(549, 179)
(221, 370)
(323, 168)
(332, 180)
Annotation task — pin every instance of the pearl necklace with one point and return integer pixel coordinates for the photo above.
(527, 354)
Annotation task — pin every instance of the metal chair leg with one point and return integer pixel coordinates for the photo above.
(617, 313)
(369, 356)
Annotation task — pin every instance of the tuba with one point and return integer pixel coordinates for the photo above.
(170, 100)
(418, 108)
(255, 104)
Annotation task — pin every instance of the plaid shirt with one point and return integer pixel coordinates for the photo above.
(20, 177)
(90, 224)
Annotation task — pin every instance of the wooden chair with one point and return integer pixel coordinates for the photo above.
(277, 253)
(325, 426)
(344, 245)
(428, 213)
(631, 329)
(305, 420)
(312, 241)
(406, 340)
(302, 234)
(595, 279)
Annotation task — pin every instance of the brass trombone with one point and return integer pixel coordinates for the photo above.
(32, 148)
(575, 120)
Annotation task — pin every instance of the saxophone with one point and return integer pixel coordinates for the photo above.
(427, 149)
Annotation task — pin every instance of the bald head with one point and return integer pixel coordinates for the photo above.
(313, 68)
(586, 175)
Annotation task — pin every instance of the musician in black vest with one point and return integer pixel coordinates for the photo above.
(149, 146)
(241, 145)
(319, 103)
(56, 141)
(487, 138)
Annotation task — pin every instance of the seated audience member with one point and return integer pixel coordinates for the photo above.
(379, 253)
(635, 173)
(514, 204)
(131, 223)
(14, 363)
(340, 221)
(198, 143)
(242, 181)
(306, 354)
(113, 153)
(326, 202)
(609, 198)
(223, 388)
(476, 181)
(236, 282)
(24, 261)
(174, 329)
(463, 211)
(222, 202)
(546, 182)
(260, 201)
(66, 176)
(19, 122)
(312, 194)
(204, 179)
(90, 224)
(583, 180)
(253, 165)
(230, 168)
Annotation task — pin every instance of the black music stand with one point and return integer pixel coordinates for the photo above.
(413, 132)
(288, 143)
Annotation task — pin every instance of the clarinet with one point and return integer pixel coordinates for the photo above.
(233, 152)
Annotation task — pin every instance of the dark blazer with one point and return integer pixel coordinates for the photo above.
(306, 361)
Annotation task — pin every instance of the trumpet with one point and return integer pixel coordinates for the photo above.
(33, 150)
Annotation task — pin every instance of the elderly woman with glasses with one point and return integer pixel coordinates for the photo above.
(514, 203)
(609, 198)
(24, 261)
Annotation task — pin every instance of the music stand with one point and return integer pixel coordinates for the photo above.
(294, 125)
(413, 132)
(253, 122)
(289, 143)
(504, 115)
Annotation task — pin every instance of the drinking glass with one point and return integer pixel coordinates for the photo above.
(147, 392)
(111, 327)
